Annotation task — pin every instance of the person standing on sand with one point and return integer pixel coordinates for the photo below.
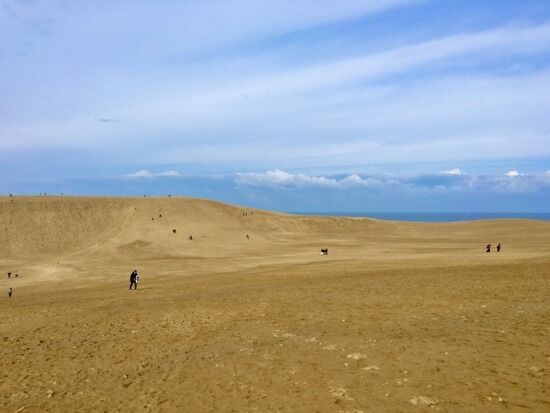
(133, 279)
(488, 248)
(9, 274)
(498, 247)
(10, 292)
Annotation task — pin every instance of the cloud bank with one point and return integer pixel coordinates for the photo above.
(453, 180)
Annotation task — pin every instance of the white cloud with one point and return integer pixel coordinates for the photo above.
(282, 179)
(454, 118)
(219, 100)
(146, 174)
(228, 101)
(140, 174)
(454, 171)
(512, 173)
(279, 178)
(168, 173)
(355, 180)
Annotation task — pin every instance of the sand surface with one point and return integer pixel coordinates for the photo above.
(399, 317)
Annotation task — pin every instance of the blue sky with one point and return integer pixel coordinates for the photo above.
(394, 105)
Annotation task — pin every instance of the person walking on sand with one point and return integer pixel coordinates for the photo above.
(498, 247)
(9, 274)
(488, 248)
(10, 292)
(133, 279)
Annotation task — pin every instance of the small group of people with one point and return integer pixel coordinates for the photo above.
(134, 279)
(10, 289)
(488, 248)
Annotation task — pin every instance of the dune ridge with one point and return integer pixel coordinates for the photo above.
(50, 226)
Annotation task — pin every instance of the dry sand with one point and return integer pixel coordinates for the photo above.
(399, 317)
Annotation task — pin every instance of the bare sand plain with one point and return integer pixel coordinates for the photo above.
(399, 317)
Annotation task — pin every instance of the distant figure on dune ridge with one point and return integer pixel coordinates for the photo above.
(9, 274)
(488, 248)
(133, 279)
(10, 292)
(498, 249)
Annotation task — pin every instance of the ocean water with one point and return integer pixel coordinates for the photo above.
(433, 216)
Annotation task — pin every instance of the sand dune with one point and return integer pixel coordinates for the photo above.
(398, 317)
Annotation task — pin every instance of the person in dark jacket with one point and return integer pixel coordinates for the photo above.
(133, 279)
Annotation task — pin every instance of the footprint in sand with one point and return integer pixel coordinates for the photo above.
(356, 356)
(536, 371)
(339, 394)
(495, 397)
(423, 401)
(279, 334)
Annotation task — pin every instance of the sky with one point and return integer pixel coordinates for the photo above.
(310, 105)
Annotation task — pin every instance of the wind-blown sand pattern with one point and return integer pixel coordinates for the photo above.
(399, 317)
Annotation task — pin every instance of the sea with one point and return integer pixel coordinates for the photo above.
(433, 216)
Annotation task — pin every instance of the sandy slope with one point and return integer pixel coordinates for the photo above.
(398, 317)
